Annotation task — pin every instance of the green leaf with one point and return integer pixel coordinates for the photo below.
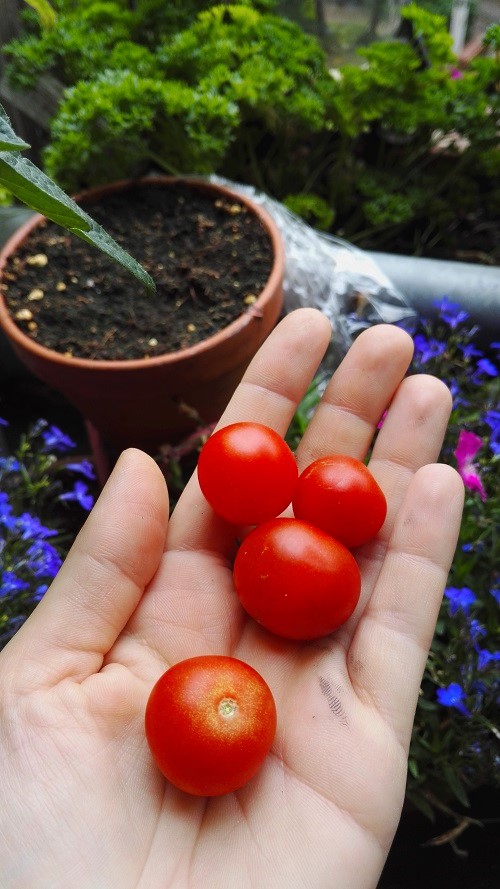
(37, 191)
(413, 769)
(455, 785)
(8, 139)
(424, 704)
(421, 804)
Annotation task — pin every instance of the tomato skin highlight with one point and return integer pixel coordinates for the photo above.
(340, 495)
(210, 722)
(247, 473)
(295, 580)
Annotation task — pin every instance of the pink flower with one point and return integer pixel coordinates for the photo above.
(382, 418)
(467, 448)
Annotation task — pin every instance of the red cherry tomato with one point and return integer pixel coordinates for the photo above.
(295, 580)
(210, 722)
(339, 495)
(247, 473)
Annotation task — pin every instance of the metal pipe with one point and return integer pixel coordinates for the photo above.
(424, 281)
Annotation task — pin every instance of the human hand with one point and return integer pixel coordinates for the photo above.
(82, 804)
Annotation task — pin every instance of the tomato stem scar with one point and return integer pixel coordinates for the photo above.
(228, 708)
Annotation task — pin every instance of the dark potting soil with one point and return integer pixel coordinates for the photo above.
(209, 258)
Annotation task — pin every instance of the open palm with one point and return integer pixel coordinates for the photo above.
(82, 804)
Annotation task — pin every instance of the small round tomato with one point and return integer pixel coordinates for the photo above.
(295, 580)
(210, 722)
(247, 473)
(339, 495)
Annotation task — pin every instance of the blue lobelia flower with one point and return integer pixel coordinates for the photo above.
(486, 657)
(453, 696)
(452, 313)
(492, 419)
(495, 592)
(485, 366)
(84, 466)
(9, 464)
(6, 518)
(56, 440)
(40, 592)
(476, 630)
(11, 584)
(5, 507)
(469, 350)
(43, 559)
(31, 527)
(80, 494)
(460, 598)
(428, 348)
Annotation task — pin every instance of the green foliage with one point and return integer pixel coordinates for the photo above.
(312, 209)
(264, 63)
(403, 147)
(76, 47)
(234, 83)
(492, 37)
(120, 122)
(424, 139)
(444, 8)
(83, 36)
(26, 182)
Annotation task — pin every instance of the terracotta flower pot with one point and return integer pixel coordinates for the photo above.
(147, 402)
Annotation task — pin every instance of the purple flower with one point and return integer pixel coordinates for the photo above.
(84, 466)
(4, 422)
(11, 584)
(6, 518)
(9, 464)
(456, 392)
(469, 350)
(496, 594)
(485, 657)
(31, 527)
(452, 313)
(453, 696)
(44, 560)
(5, 507)
(80, 494)
(476, 630)
(492, 418)
(40, 592)
(427, 349)
(467, 448)
(485, 366)
(460, 598)
(56, 440)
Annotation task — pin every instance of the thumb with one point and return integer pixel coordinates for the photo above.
(113, 558)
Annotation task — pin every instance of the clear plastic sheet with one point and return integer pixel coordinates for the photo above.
(332, 275)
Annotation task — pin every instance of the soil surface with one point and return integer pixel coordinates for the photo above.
(209, 258)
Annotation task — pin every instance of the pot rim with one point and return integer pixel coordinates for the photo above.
(273, 282)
